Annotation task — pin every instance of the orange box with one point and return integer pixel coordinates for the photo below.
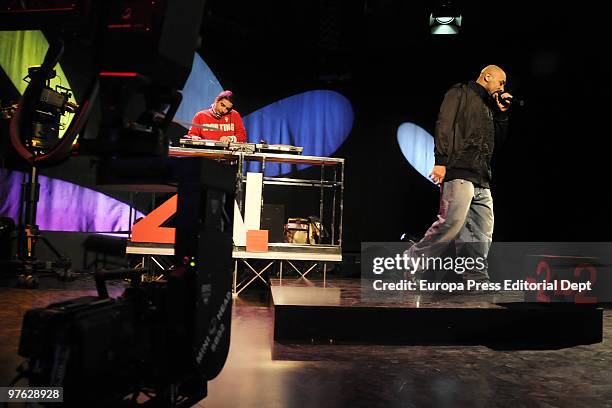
(257, 241)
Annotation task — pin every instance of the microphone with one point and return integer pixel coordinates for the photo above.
(510, 100)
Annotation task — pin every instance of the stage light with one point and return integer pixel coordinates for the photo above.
(445, 25)
(445, 19)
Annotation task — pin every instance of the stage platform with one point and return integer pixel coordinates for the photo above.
(309, 311)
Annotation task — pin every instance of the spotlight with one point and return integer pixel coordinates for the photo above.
(445, 19)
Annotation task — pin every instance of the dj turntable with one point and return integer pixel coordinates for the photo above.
(278, 148)
(217, 145)
(204, 144)
(240, 147)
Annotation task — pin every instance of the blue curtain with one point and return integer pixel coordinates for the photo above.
(319, 121)
(417, 145)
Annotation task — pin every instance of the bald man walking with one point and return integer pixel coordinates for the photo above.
(471, 118)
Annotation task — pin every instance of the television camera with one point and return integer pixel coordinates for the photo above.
(159, 342)
(52, 105)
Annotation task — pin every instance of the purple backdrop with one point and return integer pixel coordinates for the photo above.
(65, 206)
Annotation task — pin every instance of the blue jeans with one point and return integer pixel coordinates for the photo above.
(465, 217)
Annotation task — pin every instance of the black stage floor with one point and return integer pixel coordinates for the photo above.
(261, 372)
(338, 310)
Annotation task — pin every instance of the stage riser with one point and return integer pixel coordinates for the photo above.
(522, 325)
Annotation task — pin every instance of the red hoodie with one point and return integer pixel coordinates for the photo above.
(227, 125)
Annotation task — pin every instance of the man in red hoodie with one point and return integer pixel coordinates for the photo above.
(219, 122)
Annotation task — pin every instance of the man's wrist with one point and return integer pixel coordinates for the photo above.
(440, 160)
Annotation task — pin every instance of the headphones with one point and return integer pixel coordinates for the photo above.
(218, 115)
(214, 112)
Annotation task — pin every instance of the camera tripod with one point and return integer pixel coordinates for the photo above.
(34, 136)
(27, 265)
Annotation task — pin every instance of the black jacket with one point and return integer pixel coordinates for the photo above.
(468, 126)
